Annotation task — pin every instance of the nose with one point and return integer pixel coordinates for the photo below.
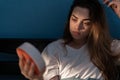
(80, 26)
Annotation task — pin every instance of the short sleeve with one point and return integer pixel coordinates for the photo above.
(51, 60)
(115, 47)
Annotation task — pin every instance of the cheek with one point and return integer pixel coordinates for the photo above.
(71, 26)
(87, 31)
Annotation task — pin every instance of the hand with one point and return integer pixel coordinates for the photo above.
(27, 69)
(55, 78)
(115, 5)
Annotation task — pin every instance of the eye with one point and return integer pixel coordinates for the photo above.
(73, 19)
(86, 23)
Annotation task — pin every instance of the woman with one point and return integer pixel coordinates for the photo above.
(86, 51)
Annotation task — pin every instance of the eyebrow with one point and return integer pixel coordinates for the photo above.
(83, 19)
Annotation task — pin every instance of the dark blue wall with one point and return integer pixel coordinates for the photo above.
(33, 18)
(40, 18)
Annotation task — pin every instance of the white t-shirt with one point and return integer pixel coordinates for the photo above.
(68, 62)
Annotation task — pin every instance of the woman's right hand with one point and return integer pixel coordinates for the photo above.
(115, 5)
(27, 69)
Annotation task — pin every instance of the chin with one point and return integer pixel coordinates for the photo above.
(77, 38)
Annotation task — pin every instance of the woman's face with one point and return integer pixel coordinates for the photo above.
(80, 23)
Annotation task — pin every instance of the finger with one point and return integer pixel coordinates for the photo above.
(40, 75)
(21, 64)
(25, 69)
(112, 4)
(20, 56)
(31, 72)
(106, 1)
(27, 66)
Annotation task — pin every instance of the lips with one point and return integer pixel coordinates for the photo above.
(76, 33)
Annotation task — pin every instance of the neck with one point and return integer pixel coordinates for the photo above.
(77, 43)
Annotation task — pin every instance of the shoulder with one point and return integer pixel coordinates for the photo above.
(55, 44)
(115, 46)
(54, 47)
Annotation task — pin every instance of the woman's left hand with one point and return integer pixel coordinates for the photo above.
(115, 5)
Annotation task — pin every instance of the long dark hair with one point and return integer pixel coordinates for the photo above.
(99, 40)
